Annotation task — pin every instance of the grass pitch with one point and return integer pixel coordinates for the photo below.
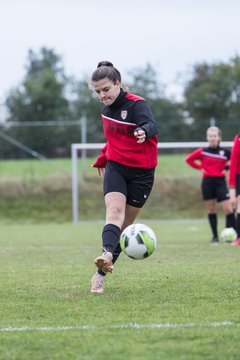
(32, 169)
(180, 303)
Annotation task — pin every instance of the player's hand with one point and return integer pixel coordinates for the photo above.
(233, 198)
(140, 135)
(101, 171)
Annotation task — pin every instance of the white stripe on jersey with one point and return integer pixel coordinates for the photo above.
(118, 121)
(206, 153)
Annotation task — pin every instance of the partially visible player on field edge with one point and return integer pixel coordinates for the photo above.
(213, 162)
(127, 161)
(234, 183)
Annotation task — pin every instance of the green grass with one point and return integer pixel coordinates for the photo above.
(187, 283)
(31, 169)
(40, 191)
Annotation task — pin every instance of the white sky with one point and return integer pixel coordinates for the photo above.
(172, 35)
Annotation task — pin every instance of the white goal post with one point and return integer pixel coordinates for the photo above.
(98, 146)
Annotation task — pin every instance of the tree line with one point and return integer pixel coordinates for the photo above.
(211, 96)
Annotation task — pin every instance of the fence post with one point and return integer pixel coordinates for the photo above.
(74, 184)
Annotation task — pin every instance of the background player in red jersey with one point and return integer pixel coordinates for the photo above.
(212, 161)
(234, 183)
(127, 161)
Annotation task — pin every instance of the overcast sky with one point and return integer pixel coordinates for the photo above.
(172, 35)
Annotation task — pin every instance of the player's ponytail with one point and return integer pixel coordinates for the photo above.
(104, 63)
(105, 69)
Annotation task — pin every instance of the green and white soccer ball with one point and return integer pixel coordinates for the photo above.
(138, 241)
(228, 235)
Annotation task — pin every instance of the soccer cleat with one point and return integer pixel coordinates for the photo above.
(97, 284)
(104, 262)
(236, 242)
(214, 239)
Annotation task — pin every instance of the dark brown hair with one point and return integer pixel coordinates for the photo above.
(105, 69)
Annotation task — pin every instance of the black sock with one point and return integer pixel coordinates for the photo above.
(238, 224)
(116, 253)
(110, 237)
(230, 221)
(213, 223)
(101, 272)
(110, 240)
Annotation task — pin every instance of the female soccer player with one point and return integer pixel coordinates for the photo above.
(212, 161)
(127, 161)
(234, 183)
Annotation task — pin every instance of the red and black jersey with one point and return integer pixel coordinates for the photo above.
(120, 119)
(235, 161)
(212, 161)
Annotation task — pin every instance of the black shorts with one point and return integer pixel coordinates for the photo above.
(135, 183)
(215, 187)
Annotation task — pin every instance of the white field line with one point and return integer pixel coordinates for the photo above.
(123, 326)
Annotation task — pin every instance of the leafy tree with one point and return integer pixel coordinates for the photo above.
(168, 114)
(235, 95)
(87, 104)
(144, 81)
(213, 93)
(170, 119)
(40, 97)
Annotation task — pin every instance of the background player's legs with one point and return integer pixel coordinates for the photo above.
(237, 241)
(230, 217)
(238, 216)
(212, 217)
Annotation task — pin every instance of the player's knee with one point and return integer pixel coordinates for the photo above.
(211, 210)
(115, 214)
(228, 211)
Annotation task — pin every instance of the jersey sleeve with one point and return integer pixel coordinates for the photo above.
(234, 161)
(144, 118)
(194, 159)
(102, 159)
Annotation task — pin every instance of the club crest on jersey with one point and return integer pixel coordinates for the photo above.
(221, 152)
(124, 114)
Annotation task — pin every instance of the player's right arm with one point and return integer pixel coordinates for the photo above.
(194, 159)
(101, 161)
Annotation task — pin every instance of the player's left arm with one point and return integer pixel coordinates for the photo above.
(144, 119)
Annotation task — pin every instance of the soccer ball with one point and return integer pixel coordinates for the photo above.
(138, 241)
(228, 235)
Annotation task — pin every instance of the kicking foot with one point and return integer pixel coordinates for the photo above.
(104, 262)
